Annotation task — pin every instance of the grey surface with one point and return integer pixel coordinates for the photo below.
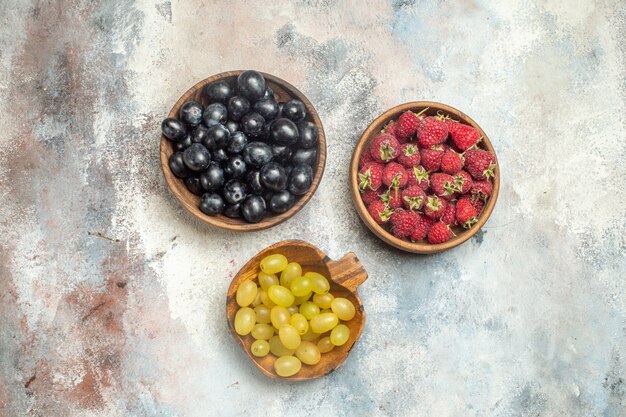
(112, 297)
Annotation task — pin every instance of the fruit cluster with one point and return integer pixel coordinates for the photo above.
(244, 153)
(287, 315)
(422, 175)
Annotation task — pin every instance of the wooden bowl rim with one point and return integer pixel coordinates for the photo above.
(222, 221)
(381, 233)
(325, 259)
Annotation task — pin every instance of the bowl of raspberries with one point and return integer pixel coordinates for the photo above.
(424, 177)
(243, 150)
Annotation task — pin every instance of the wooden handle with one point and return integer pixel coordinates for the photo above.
(347, 271)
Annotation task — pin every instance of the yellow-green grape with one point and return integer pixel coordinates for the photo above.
(326, 310)
(309, 310)
(325, 345)
(289, 336)
(343, 308)
(301, 286)
(279, 316)
(280, 295)
(273, 263)
(291, 271)
(323, 300)
(262, 314)
(277, 348)
(262, 331)
(299, 300)
(293, 309)
(308, 353)
(246, 293)
(244, 320)
(265, 299)
(340, 335)
(257, 299)
(310, 335)
(300, 323)
(320, 283)
(287, 365)
(267, 280)
(260, 348)
(324, 322)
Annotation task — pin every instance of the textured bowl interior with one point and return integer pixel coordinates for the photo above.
(283, 91)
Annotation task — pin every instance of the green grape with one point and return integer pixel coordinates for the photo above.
(309, 310)
(287, 365)
(244, 320)
(340, 335)
(326, 310)
(301, 286)
(323, 300)
(299, 300)
(265, 299)
(262, 331)
(324, 322)
(246, 293)
(291, 271)
(300, 323)
(343, 308)
(289, 336)
(279, 316)
(257, 299)
(320, 283)
(273, 263)
(309, 335)
(277, 348)
(325, 345)
(260, 348)
(308, 353)
(267, 280)
(293, 309)
(280, 295)
(262, 314)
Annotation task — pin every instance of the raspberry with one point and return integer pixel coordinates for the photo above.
(439, 233)
(402, 223)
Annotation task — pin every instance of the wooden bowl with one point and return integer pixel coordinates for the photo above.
(344, 276)
(422, 247)
(283, 91)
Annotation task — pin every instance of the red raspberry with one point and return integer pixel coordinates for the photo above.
(465, 213)
(369, 196)
(451, 162)
(371, 176)
(481, 189)
(422, 227)
(443, 184)
(432, 131)
(409, 155)
(434, 207)
(390, 129)
(393, 198)
(402, 223)
(365, 158)
(463, 136)
(439, 233)
(394, 175)
(480, 163)
(418, 176)
(449, 216)
(407, 125)
(463, 182)
(385, 148)
(413, 198)
(431, 158)
(379, 212)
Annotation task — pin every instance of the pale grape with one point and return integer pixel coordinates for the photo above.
(325, 345)
(289, 336)
(262, 331)
(320, 283)
(291, 271)
(277, 348)
(244, 320)
(267, 280)
(299, 300)
(343, 308)
(293, 309)
(301, 286)
(323, 300)
(260, 348)
(300, 322)
(308, 353)
(265, 299)
(287, 365)
(310, 335)
(279, 316)
(340, 335)
(274, 263)
(262, 314)
(280, 295)
(246, 293)
(324, 322)
(257, 299)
